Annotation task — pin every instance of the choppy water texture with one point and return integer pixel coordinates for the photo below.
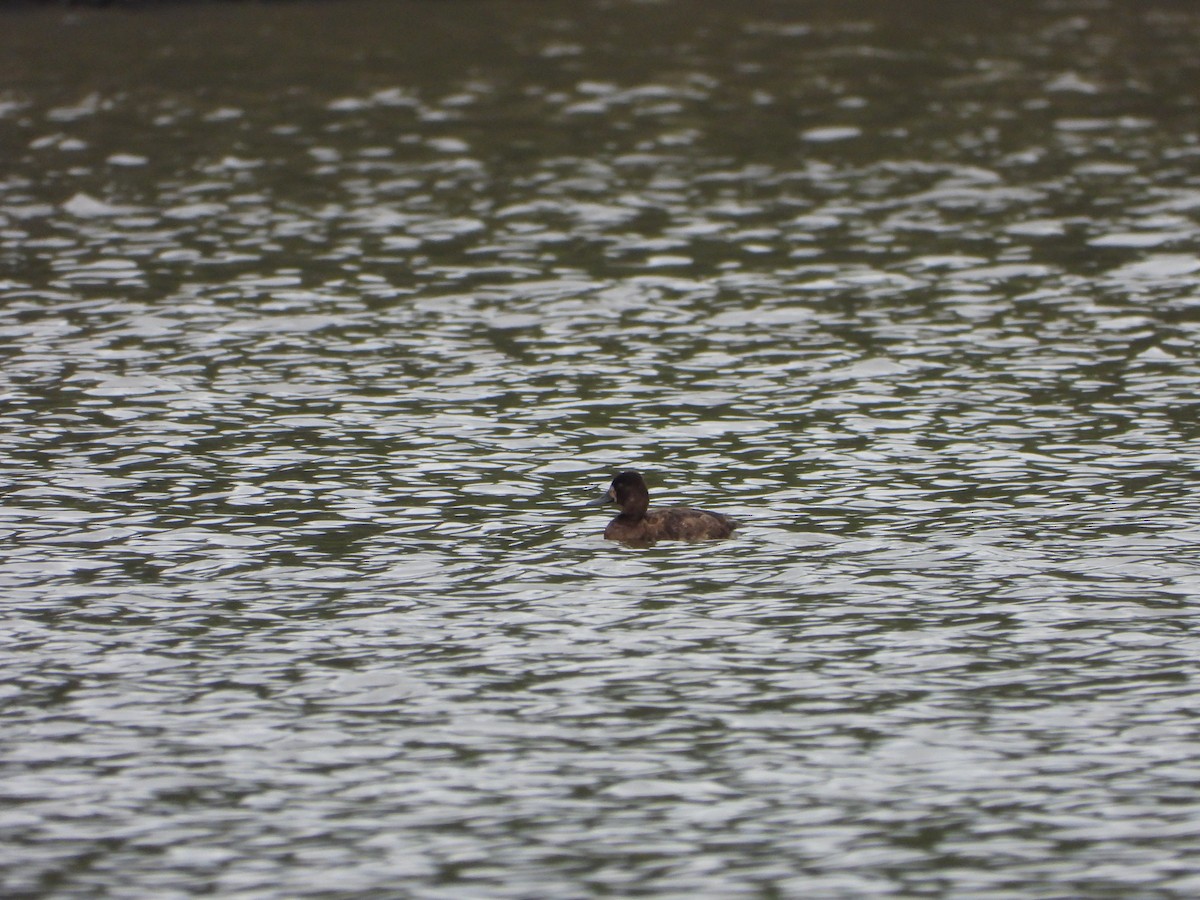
(321, 322)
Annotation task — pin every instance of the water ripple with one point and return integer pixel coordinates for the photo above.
(308, 376)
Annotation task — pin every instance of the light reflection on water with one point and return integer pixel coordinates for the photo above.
(312, 360)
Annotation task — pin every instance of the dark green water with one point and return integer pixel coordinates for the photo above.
(320, 323)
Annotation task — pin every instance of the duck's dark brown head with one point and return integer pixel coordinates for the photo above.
(629, 492)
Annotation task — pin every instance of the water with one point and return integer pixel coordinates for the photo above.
(321, 323)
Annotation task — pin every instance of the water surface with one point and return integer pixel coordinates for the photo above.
(322, 321)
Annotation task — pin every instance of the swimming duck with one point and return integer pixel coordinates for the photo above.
(638, 524)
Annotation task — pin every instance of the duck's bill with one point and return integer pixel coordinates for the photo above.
(603, 500)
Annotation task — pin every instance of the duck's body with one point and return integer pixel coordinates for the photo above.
(638, 524)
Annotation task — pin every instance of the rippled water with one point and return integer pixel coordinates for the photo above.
(321, 323)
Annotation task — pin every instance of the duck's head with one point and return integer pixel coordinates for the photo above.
(628, 491)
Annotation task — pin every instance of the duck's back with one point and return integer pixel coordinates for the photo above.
(675, 523)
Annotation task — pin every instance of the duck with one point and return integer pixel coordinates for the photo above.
(639, 525)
